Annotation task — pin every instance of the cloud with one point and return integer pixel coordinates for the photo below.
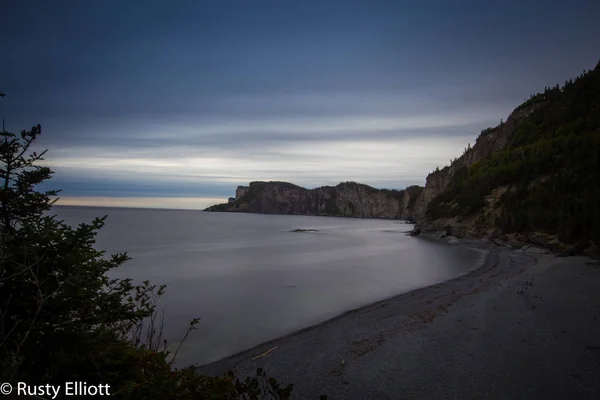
(334, 157)
(190, 101)
(200, 156)
(234, 131)
(186, 203)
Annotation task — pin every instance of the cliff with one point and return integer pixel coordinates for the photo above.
(348, 199)
(490, 141)
(534, 179)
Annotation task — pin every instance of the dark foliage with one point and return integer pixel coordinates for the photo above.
(62, 319)
(413, 192)
(551, 166)
(219, 207)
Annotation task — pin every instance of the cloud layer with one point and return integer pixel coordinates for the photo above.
(191, 101)
(202, 157)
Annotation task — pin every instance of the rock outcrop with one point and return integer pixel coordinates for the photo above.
(348, 199)
(531, 180)
(241, 191)
(489, 141)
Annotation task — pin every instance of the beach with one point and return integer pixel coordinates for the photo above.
(524, 325)
(251, 278)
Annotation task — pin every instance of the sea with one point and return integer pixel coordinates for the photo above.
(250, 278)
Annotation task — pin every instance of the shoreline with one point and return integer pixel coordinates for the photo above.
(305, 215)
(360, 353)
(472, 243)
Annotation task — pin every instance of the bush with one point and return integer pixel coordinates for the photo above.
(62, 319)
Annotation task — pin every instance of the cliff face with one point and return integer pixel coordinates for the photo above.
(533, 179)
(344, 200)
(490, 141)
(241, 191)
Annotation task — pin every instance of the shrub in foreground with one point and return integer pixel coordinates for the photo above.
(61, 317)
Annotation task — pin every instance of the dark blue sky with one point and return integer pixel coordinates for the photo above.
(192, 98)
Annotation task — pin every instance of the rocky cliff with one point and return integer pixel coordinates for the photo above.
(348, 199)
(531, 180)
(241, 191)
(490, 140)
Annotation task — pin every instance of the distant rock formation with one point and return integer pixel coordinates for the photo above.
(241, 191)
(347, 199)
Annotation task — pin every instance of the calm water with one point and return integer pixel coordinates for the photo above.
(251, 280)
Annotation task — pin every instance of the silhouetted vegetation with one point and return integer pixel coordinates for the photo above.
(550, 167)
(219, 207)
(413, 192)
(489, 130)
(62, 319)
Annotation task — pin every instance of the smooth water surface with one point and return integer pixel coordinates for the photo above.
(250, 279)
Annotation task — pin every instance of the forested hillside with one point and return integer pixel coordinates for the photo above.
(546, 179)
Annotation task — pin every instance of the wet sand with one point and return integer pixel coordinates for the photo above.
(525, 325)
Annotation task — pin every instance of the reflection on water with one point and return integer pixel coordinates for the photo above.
(250, 279)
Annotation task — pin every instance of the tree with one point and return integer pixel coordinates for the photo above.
(553, 153)
(62, 319)
(55, 298)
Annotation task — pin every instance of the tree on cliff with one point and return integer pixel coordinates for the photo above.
(550, 168)
(62, 319)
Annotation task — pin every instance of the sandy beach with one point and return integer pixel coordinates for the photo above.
(525, 325)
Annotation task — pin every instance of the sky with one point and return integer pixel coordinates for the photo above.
(173, 104)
